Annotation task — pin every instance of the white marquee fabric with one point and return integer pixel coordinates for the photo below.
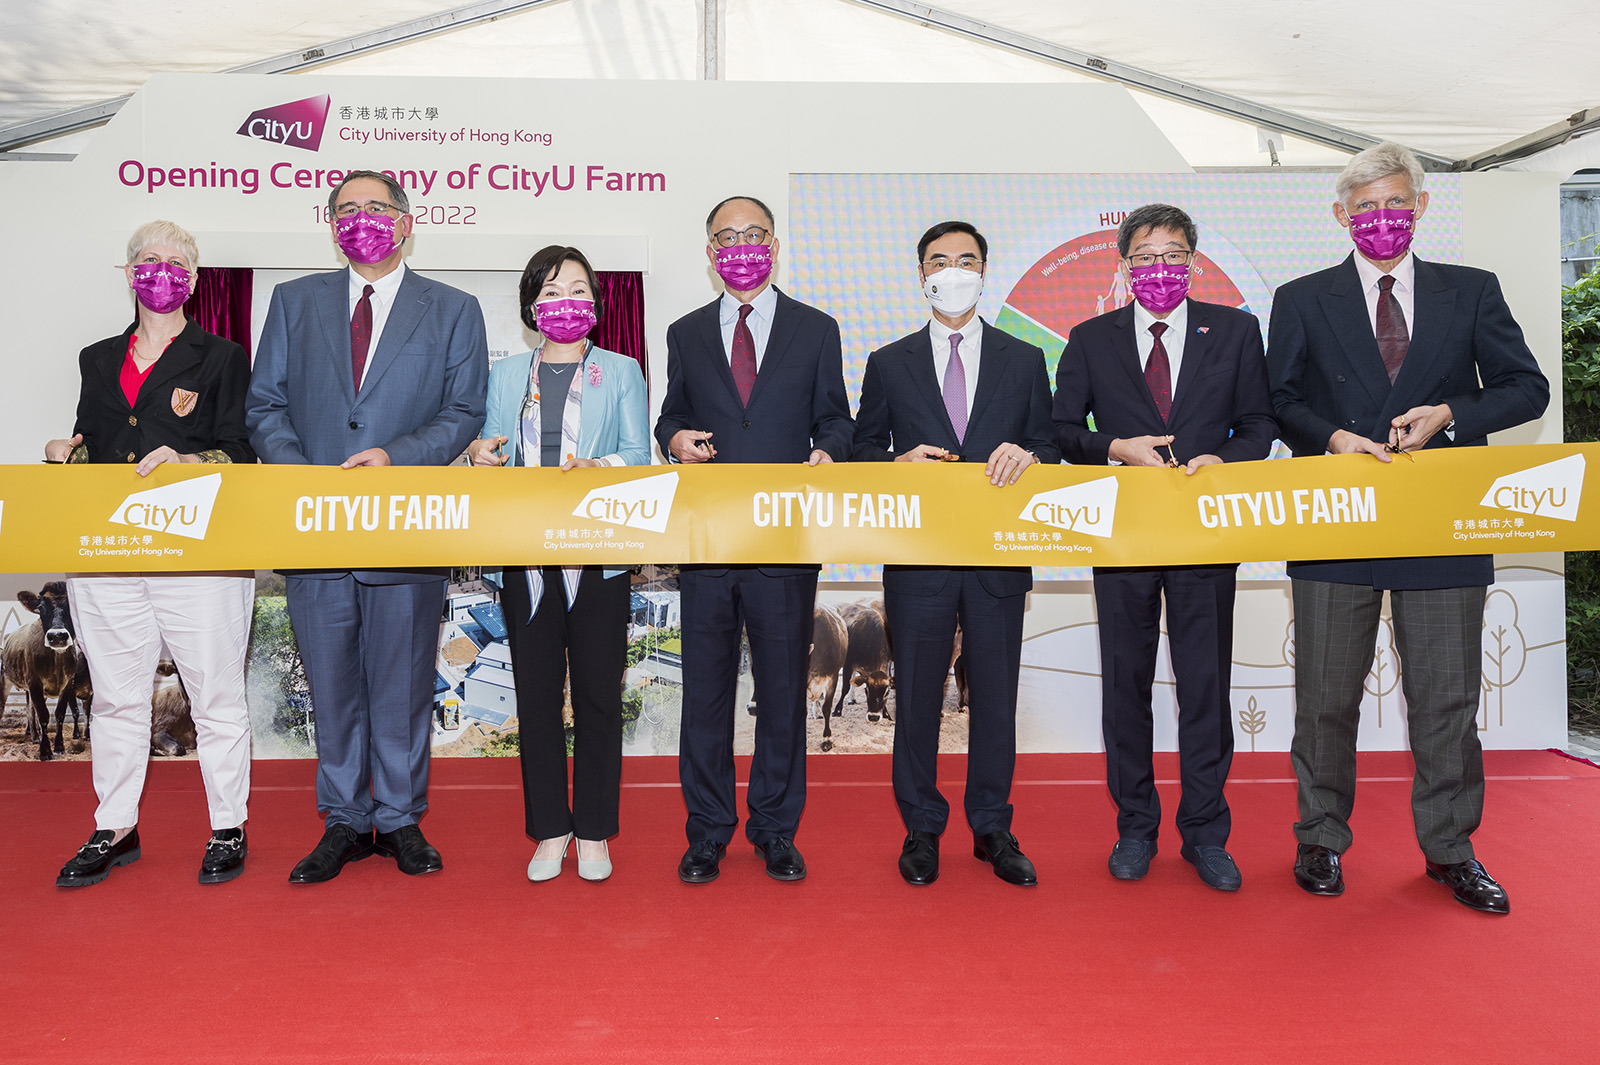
(1449, 78)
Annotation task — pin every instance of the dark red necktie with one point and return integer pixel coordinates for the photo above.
(1158, 373)
(744, 356)
(361, 335)
(1393, 339)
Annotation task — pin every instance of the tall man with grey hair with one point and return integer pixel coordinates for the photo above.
(1165, 381)
(370, 366)
(1387, 352)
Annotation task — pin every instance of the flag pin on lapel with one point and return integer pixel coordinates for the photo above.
(1203, 329)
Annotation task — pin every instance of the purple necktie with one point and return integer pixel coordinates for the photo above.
(361, 335)
(955, 389)
(1158, 373)
(744, 356)
(1393, 340)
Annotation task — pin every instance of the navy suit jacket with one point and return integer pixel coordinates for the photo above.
(1466, 350)
(422, 400)
(797, 404)
(902, 407)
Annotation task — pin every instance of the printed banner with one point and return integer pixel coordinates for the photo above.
(1443, 502)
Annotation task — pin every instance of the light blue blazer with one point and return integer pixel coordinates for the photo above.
(615, 422)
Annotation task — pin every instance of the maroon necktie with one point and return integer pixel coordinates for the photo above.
(361, 335)
(744, 356)
(1393, 340)
(1158, 373)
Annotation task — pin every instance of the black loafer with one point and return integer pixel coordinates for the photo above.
(1316, 869)
(409, 849)
(782, 858)
(339, 844)
(1471, 884)
(1130, 858)
(701, 862)
(1215, 866)
(95, 859)
(1000, 850)
(225, 855)
(919, 858)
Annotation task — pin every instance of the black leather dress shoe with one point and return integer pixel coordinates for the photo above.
(95, 859)
(1317, 870)
(1130, 858)
(919, 858)
(700, 864)
(1472, 885)
(410, 851)
(1215, 866)
(225, 855)
(783, 859)
(1000, 850)
(339, 844)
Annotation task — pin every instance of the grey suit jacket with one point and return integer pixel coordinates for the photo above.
(422, 400)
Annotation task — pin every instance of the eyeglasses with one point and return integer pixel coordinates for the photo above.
(1171, 258)
(970, 263)
(727, 238)
(372, 207)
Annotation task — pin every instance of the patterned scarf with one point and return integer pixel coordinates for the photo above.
(529, 446)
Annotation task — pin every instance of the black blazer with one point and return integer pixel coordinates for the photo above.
(797, 404)
(1326, 374)
(216, 370)
(902, 407)
(1221, 402)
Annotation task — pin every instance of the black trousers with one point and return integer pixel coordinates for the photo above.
(591, 642)
(1200, 637)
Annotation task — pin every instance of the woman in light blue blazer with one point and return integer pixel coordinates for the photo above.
(566, 404)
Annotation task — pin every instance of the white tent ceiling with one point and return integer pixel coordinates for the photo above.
(1453, 79)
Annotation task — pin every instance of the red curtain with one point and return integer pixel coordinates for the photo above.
(622, 328)
(220, 302)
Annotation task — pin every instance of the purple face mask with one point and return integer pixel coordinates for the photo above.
(366, 238)
(744, 266)
(1159, 287)
(564, 321)
(161, 287)
(1382, 234)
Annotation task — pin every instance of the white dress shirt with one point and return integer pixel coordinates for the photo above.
(971, 348)
(383, 293)
(1405, 288)
(760, 321)
(1177, 328)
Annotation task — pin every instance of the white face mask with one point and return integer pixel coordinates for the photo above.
(953, 291)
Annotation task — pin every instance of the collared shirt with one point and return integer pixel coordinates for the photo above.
(1405, 288)
(1177, 329)
(762, 309)
(971, 348)
(383, 293)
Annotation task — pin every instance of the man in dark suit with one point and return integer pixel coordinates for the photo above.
(753, 376)
(1387, 351)
(370, 366)
(957, 387)
(1169, 381)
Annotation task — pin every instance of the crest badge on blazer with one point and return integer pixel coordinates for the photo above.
(183, 401)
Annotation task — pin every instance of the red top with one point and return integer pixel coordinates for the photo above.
(131, 379)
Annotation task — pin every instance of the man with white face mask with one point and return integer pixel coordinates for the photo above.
(1168, 381)
(957, 390)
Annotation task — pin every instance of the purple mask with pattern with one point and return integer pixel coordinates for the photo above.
(744, 266)
(1160, 286)
(366, 238)
(161, 287)
(1384, 233)
(564, 321)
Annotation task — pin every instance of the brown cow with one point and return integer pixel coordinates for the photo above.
(171, 723)
(44, 659)
(867, 657)
(828, 638)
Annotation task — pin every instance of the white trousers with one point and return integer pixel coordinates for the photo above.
(122, 621)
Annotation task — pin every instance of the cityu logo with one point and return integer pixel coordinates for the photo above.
(298, 124)
(1088, 508)
(643, 504)
(1552, 490)
(183, 509)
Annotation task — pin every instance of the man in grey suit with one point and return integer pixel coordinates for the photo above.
(370, 366)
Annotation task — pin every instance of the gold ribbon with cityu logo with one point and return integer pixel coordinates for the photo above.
(1442, 502)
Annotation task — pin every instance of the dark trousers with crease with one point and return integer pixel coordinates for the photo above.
(589, 641)
(1439, 637)
(776, 612)
(1200, 638)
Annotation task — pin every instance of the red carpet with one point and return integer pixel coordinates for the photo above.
(476, 964)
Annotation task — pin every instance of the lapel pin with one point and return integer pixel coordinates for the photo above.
(1203, 329)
